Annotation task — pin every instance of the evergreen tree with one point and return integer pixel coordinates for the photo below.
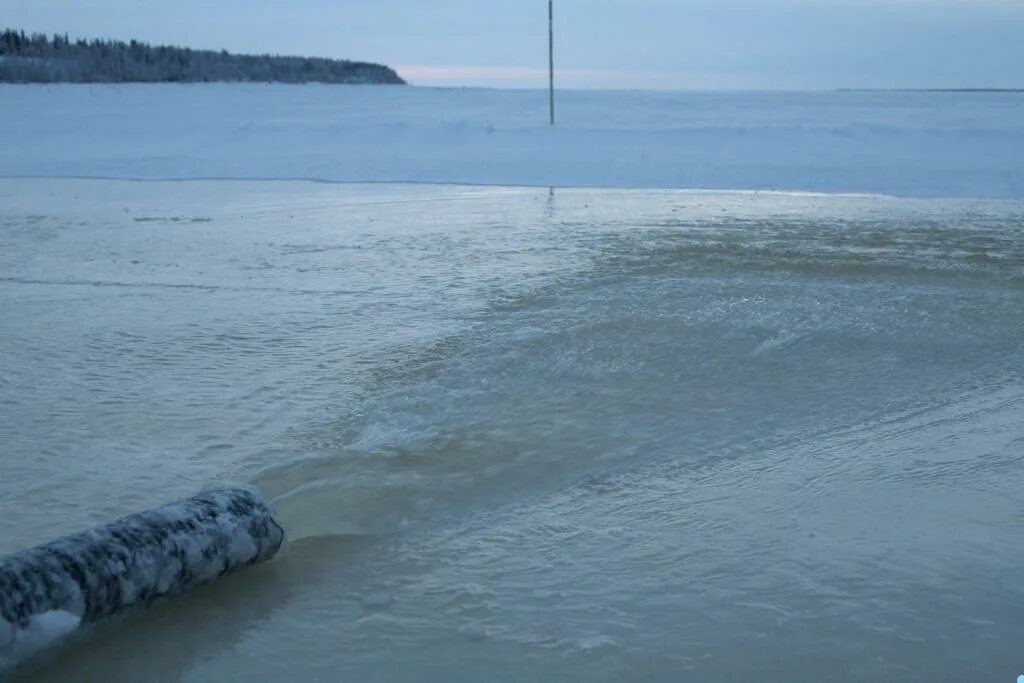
(41, 59)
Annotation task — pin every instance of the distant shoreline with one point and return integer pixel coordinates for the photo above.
(38, 58)
(948, 90)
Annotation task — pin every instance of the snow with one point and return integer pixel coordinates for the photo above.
(915, 144)
(39, 632)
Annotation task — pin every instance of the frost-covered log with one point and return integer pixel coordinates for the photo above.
(48, 592)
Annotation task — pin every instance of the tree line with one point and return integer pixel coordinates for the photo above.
(38, 58)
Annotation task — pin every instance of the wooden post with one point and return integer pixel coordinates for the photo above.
(551, 58)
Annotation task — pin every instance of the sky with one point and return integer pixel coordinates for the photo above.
(646, 44)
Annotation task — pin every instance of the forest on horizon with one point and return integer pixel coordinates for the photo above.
(38, 58)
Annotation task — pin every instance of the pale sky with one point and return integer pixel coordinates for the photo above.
(656, 44)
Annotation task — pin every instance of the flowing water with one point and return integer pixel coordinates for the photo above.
(522, 434)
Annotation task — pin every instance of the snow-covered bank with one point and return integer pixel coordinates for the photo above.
(922, 144)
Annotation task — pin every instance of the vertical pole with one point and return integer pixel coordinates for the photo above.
(551, 58)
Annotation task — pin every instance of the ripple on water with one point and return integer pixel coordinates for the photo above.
(605, 435)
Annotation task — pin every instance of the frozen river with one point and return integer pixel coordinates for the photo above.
(524, 434)
(902, 143)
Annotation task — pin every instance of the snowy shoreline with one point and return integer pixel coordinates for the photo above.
(903, 144)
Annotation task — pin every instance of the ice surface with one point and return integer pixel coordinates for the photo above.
(525, 434)
(919, 144)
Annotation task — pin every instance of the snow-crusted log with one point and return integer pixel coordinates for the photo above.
(50, 591)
